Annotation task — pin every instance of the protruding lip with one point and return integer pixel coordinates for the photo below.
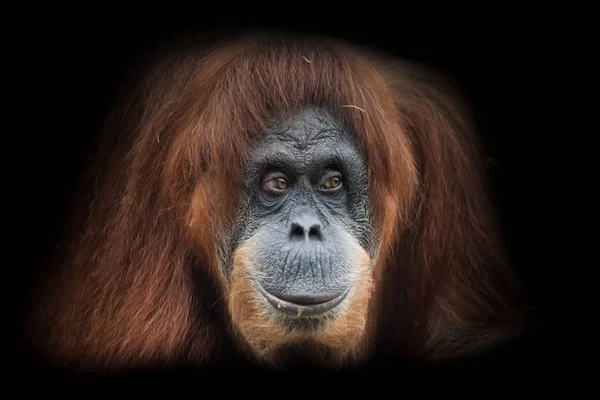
(298, 309)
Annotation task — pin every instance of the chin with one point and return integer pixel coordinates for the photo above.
(290, 329)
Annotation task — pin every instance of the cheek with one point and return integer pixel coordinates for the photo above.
(360, 224)
(246, 225)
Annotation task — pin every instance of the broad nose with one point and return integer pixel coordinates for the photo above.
(306, 226)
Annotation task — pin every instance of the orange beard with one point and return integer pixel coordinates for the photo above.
(265, 331)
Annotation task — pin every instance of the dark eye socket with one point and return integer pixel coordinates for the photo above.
(275, 183)
(331, 181)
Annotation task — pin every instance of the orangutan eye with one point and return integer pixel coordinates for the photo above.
(330, 182)
(275, 183)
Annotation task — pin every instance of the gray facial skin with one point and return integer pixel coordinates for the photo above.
(303, 234)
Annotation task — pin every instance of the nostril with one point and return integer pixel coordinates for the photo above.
(298, 231)
(314, 232)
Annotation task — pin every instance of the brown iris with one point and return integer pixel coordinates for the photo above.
(276, 183)
(331, 181)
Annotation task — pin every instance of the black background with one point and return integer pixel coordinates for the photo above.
(503, 60)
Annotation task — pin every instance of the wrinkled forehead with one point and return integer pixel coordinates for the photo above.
(308, 135)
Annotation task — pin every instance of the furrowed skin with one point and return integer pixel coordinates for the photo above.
(266, 331)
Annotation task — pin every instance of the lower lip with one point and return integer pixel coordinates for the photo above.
(300, 310)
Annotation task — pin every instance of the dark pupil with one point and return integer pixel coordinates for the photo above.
(281, 183)
(333, 182)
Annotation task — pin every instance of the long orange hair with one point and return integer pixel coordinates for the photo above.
(137, 284)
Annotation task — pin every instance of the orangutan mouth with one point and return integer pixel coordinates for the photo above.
(304, 305)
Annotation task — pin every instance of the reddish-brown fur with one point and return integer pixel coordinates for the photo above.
(128, 292)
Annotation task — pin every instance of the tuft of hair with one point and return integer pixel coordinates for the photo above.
(140, 276)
